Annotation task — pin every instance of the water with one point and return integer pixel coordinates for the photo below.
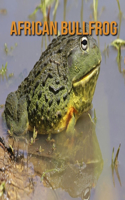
(108, 99)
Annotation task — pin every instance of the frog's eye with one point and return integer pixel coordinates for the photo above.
(86, 194)
(84, 43)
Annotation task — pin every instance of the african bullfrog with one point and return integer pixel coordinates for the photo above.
(58, 89)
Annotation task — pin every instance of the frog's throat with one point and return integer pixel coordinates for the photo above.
(87, 76)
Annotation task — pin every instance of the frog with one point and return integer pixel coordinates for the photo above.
(59, 88)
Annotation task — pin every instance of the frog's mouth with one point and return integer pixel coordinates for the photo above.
(87, 76)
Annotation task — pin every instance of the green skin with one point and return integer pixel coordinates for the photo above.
(46, 94)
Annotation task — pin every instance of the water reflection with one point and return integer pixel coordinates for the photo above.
(115, 164)
(72, 165)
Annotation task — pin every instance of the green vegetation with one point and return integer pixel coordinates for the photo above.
(31, 141)
(114, 164)
(119, 7)
(40, 149)
(118, 43)
(49, 138)
(95, 9)
(3, 70)
(81, 14)
(34, 136)
(10, 132)
(7, 50)
(11, 148)
(11, 75)
(43, 6)
(94, 120)
(115, 160)
(64, 13)
(54, 147)
(2, 188)
(91, 119)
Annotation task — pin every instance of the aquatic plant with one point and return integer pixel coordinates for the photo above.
(114, 164)
(119, 7)
(95, 9)
(43, 6)
(64, 11)
(118, 43)
(3, 70)
(7, 50)
(94, 120)
(34, 136)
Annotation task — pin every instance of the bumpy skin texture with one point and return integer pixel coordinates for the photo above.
(58, 89)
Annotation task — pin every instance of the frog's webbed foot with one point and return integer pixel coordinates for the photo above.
(16, 113)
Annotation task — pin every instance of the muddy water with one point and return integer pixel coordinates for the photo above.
(108, 101)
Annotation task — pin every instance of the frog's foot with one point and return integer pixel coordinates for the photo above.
(16, 113)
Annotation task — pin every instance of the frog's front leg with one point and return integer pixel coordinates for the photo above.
(16, 113)
(71, 122)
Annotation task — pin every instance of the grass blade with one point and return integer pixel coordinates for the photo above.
(95, 7)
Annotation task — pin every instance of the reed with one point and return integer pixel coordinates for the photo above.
(95, 9)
